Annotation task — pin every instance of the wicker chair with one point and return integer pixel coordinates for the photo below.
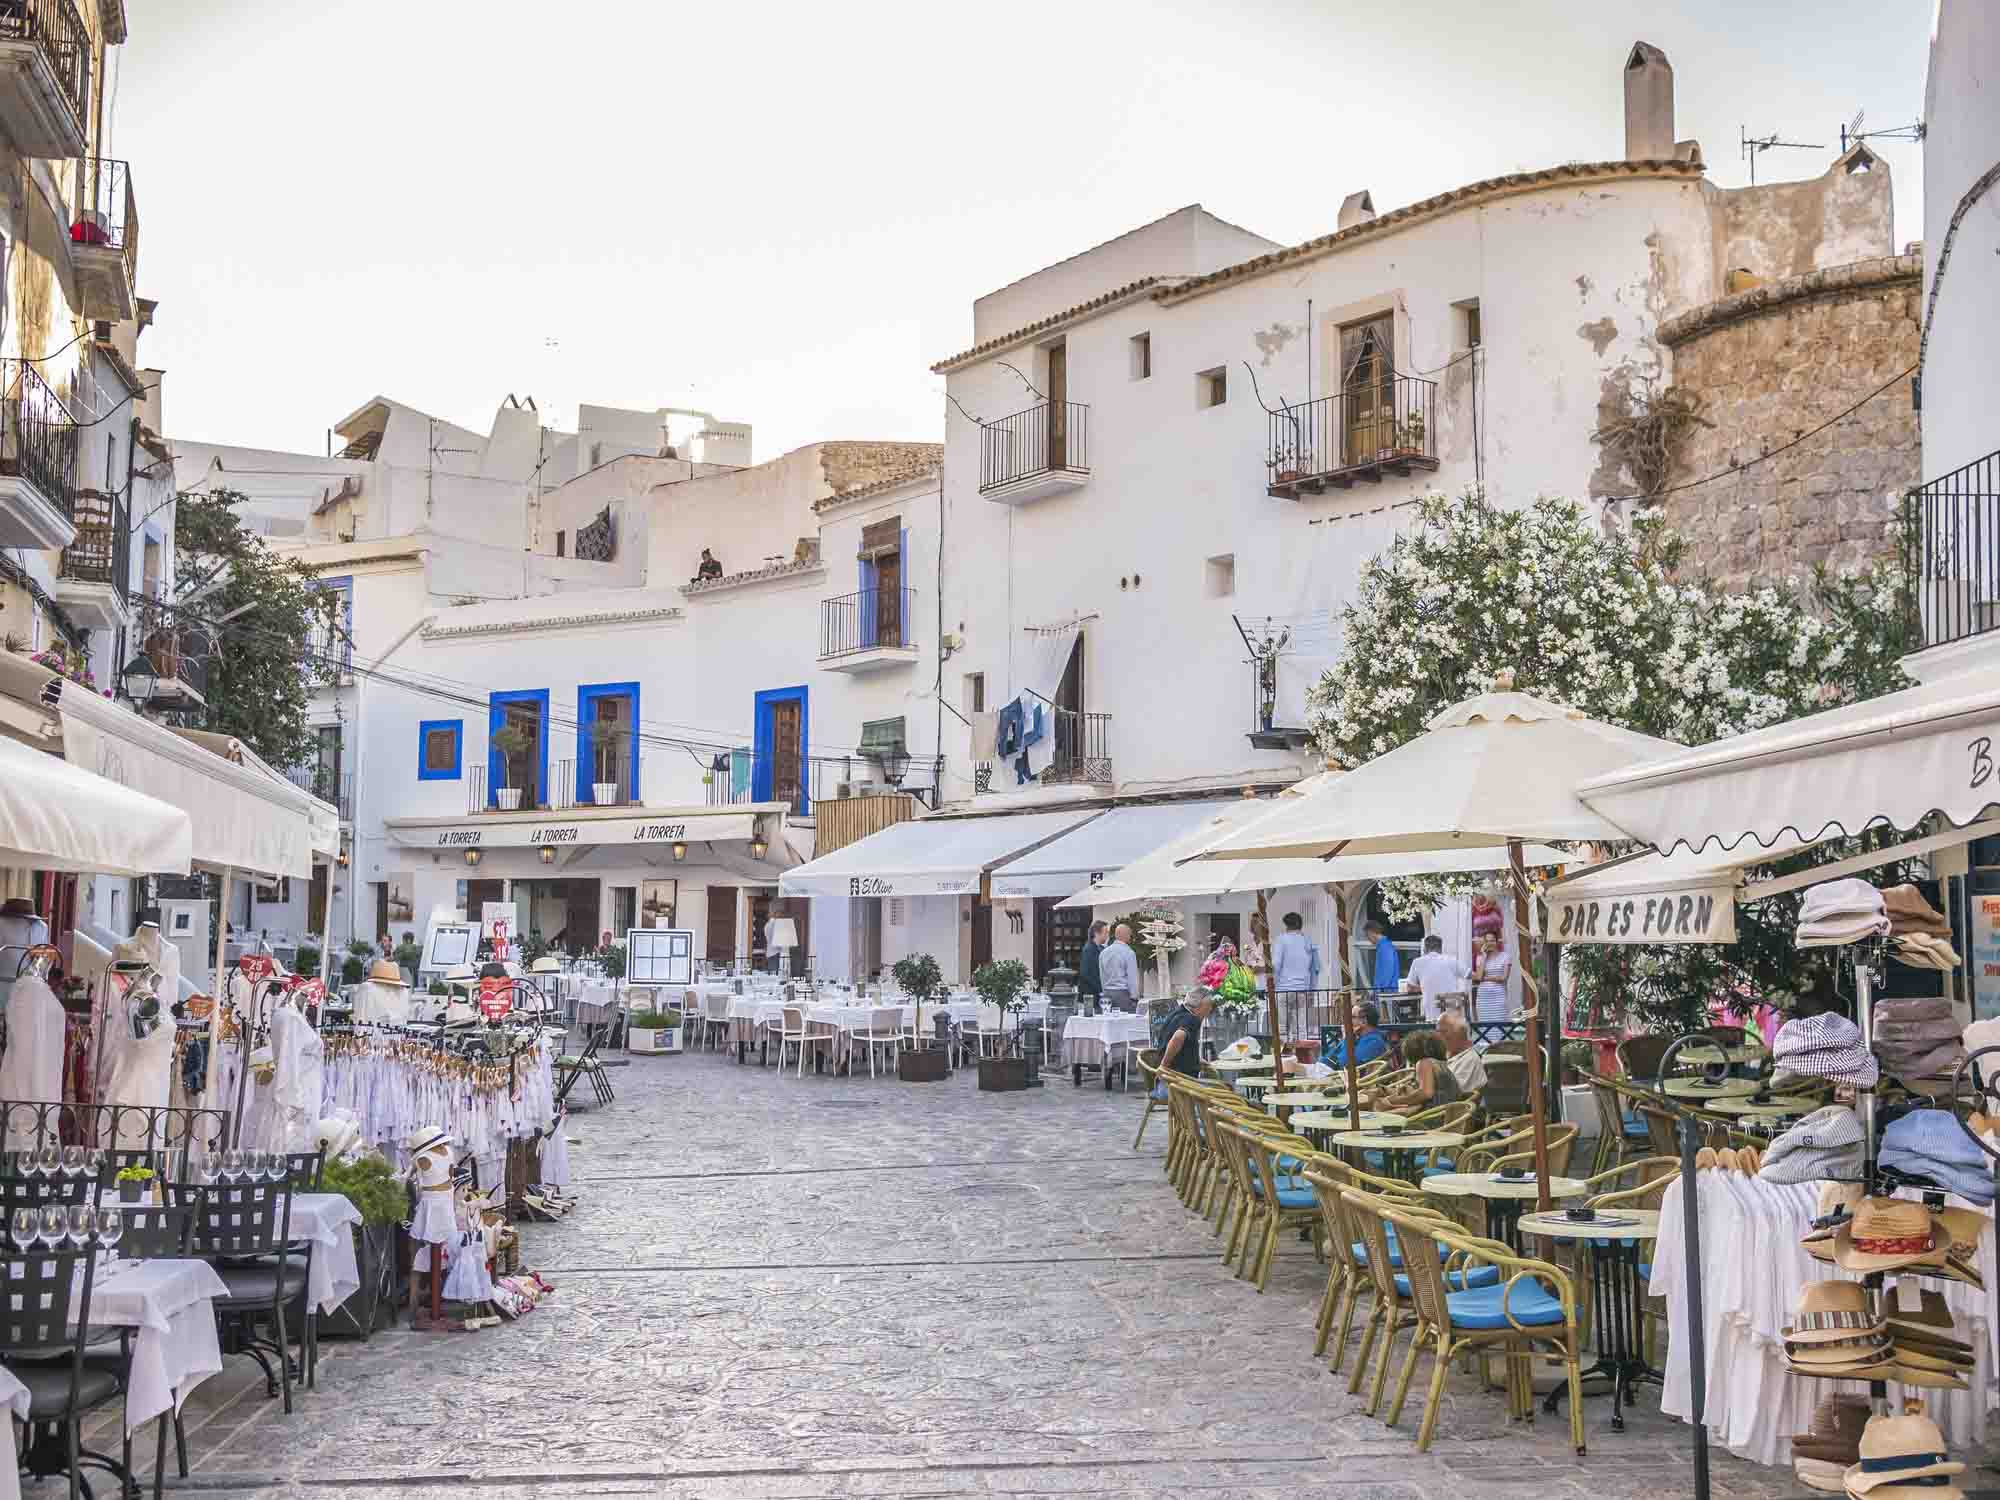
(1639, 1056)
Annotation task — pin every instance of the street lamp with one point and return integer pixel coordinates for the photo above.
(140, 680)
(472, 857)
(548, 855)
(680, 850)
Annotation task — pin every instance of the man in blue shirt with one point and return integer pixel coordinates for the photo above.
(1369, 1043)
(1291, 957)
(1388, 963)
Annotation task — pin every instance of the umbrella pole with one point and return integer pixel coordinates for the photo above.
(1271, 1005)
(1538, 1106)
(1346, 1003)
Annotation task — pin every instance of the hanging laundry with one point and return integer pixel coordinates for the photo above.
(1012, 727)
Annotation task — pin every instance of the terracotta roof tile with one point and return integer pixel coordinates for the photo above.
(881, 486)
(1117, 294)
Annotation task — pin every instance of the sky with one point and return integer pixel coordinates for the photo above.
(782, 213)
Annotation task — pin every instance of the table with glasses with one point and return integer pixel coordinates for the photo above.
(1617, 1237)
(169, 1304)
(1088, 1041)
(1694, 1088)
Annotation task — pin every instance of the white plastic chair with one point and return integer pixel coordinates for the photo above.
(991, 1023)
(793, 1033)
(884, 1029)
(715, 1019)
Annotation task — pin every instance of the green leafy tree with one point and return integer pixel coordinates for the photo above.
(264, 623)
(1599, 620)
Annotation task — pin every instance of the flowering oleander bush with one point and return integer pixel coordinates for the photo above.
(1601, 620)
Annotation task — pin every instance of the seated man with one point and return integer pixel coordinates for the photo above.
(1369, 1043)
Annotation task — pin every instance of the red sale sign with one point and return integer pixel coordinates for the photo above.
(496, 998)
(256, 965)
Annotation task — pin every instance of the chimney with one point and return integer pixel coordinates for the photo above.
(1356, 208)
(1649, 104)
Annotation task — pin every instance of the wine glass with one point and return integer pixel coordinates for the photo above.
(201, 1165)
(48, 1161)
(55, 1225)
(79, 1219)
(93, 1164)
(278, 1168)
(27, 1228)
(72, 1161)
(110, 1226)
(232, 1165)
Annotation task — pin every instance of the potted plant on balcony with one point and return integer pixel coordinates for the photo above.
(653, 1031)
(1285, 462)
(607, 746)
(924, 1061)
(1410, 436)
(1001, 985)
(512, 741)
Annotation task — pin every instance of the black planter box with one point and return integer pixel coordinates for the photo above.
(374, 1304)
(931, 1065)
(1002, 1075)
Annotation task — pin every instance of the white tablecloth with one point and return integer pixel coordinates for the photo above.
(169, 1303)
(1086, 1039)
(15, 1397)
(596, 1002)
(324, 1218)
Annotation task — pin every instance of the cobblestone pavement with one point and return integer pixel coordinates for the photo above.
(830, 1287)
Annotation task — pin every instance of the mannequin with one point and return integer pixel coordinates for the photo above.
(150, 944)
(20, 928)
(383, 1000)
(32, 1068)
(138, 1056)
(434, 1224)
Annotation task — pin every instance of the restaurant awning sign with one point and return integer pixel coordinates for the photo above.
(559, 832)
(1689, 914)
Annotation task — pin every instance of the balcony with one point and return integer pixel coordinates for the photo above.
(104, 240)
(37, 461)
(1041, 451)
(1958, 546)
(868, 631)
(179, 662)
(44, 76)
(563, 791)
(1365, 432)
(92, 584)
(1081, 756)
(327, 784)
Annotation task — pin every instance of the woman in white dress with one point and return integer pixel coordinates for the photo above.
(1492, 967)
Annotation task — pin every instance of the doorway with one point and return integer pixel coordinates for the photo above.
(1367, 389)
(982, 934)
(563, 914)
(721, 948)
(1058, 454)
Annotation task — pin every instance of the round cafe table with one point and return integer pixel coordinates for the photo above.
(1505, 1199)
(1233, 1067)
(1304, 1099)
(1616, 1238)
(1796, 1108)
(1694, 1088)
(1399, 1152)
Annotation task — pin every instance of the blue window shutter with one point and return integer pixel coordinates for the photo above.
(760, 765)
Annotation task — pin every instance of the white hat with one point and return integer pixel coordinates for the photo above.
(461, 974)
(545, 965)
(424, 1137)
(337, 1134)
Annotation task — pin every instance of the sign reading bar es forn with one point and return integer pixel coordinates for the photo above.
(1702, 915)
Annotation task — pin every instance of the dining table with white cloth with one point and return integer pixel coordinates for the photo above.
(1088, 1040)
(169, 1305)
(597, 1001)
(15, 1396)
(837, 1019)
(326, 1219)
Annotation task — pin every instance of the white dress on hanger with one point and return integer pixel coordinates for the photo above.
(32, 1068)
(138, 1071)
(298, 1059)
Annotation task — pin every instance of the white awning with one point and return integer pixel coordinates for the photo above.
(56, 816)
(1174, 870)
(1087, 854)
(928, 856)
(1892, 760)
(574, 828)
(244, 817)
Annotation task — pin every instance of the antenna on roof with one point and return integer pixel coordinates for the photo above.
(1754, 144)
(1851, 134)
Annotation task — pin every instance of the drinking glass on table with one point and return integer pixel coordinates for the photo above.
(55, 1225)
(93, 1164)
(201, 1164)
(26, 1228)
(48, 1160)
(232, 1165)
(110, 1227)
(72, 1161)
(79, 1219)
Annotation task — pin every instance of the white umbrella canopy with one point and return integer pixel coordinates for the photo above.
(1491, 770)
(56, 816)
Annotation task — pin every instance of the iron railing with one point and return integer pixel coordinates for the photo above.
(102, 550)
(1382, 424)
(37, 435)
(866, 621)
(1958, 542)
(1050, 438)
(57, 28)
(558, 791)
(107, 213)
(327, 784)
(1083, 748)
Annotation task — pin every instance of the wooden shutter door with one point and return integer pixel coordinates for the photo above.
(721, 924)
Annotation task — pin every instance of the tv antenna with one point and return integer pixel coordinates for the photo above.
(1851, 134)
(1754, 144)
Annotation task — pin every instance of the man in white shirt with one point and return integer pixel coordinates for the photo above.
(1436, 975)
(1291, 957)
(1118, 971)
(1466, 1065)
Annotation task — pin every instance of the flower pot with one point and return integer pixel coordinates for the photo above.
(374, 1302)
(604, 793)
(1288, 476)
(928, 1065)
(128, 1192)
(653, 1039)
(1002, 1075)
(509, 797)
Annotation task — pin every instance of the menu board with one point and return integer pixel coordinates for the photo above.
(659, 955)
(1985, 957)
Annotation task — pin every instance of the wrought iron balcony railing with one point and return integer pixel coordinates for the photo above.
(1386, 426)
(37, 435)
(1052, 437)
(1958, 543)
(56, 27)
(107, 212)
(867, 621)
(102, 551)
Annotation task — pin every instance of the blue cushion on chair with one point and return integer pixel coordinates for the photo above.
(1480, 1310)
(1290, 1164)
(1361, 1255)
(1295, 1197)
(1636, 1130)
(1443, 1166)
(1478, 1276)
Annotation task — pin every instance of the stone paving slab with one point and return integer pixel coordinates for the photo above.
(794, 1289)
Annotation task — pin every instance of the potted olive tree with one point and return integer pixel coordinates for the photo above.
(512, 742)
(607, 746)
(1001, 985)
(924, 1061)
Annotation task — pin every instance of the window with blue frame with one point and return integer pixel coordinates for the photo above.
(440, 749)
(778, 765)
(607, 743)
(517, 748)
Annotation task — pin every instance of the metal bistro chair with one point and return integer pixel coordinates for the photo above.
(44, 1332)
(244, 1229)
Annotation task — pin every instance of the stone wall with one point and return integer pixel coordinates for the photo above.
(1768, 365)
(851, 465)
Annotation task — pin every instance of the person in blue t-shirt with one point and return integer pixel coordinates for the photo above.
(1388, 962)
(1369, 1043)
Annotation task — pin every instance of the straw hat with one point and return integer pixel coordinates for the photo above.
(1825, 1475)
(1897, 1450)
(545, 965)
(384, 971)
(1836, 1432)
(1887, 1233)
(1831, 1312)
(1931, 1321)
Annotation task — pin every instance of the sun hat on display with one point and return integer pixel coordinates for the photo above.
(1828, 1476)
(1826, 1143)
(1931, 1143)
(1897, 1452)
(384, 971)
(1824, 1046)
(545, 965)
(1836, 1431)
(1886, 1233)
(1831, 1312)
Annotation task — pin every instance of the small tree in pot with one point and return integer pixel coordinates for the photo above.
(512, 741)
(607, 747)
(1001, 985)
(920, 978)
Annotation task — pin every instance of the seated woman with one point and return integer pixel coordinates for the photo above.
(1435, 1083)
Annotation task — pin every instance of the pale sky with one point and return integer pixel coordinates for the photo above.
(782, 213)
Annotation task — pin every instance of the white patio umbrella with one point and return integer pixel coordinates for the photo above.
(1498, 769)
